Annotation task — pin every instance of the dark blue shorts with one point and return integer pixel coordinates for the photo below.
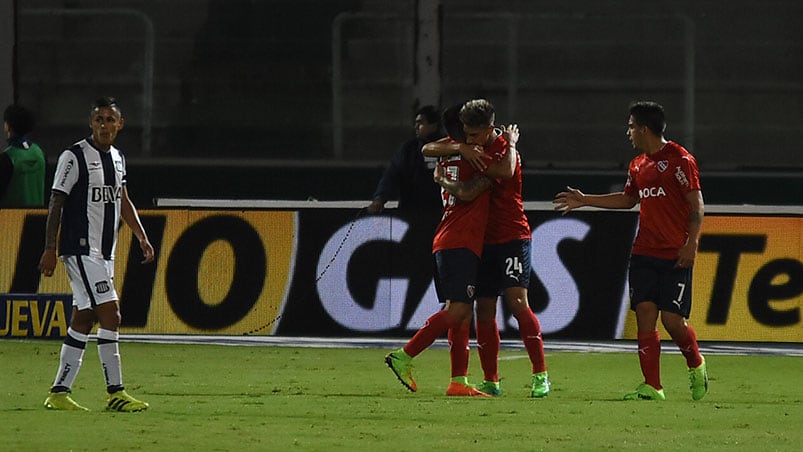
(503, 266)
(659, 281)
(456, 275)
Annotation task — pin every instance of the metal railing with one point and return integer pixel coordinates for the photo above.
(147, 72)
(515, 23)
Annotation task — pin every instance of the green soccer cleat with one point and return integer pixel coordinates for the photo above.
(62, 401)
(540, 385)
(492, 388)
(698, 381)
(402, 365)
(646, 392)
(121, 401)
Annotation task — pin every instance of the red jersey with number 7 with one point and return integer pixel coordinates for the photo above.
(463, 222)
(661, 182)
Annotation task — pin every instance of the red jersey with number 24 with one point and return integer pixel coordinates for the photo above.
(661, 182)
(463, 222)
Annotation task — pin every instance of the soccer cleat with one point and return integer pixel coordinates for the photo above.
(62, 401)
(402, 365)
(461, 390)
(492, 388)
(646, 392)
(698, 381)
(121, 401)
(540, 385)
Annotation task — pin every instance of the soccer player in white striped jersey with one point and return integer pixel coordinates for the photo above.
(87, 200)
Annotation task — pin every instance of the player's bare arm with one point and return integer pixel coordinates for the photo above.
(445, 147)
(688, 252)
(573, 198)
(462, 190)
(131, 218)
(505, 168)
(47, 263)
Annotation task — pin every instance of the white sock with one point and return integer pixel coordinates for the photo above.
(72, 354)
(109, 352)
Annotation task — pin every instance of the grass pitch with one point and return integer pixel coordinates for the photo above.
(209, 397)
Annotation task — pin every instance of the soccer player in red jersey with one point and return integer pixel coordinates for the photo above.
(505, 269)
(664, 178)
(457, 247)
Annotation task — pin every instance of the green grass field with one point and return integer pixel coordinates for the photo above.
(227, 398)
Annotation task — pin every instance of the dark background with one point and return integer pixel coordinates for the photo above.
(290, 99)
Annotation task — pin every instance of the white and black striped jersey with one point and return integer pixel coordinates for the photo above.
(93, 182)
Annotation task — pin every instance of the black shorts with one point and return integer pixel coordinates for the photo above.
(503, 266)
(659, 281)
(456, 275)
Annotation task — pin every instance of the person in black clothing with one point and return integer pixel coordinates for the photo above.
(408, 177)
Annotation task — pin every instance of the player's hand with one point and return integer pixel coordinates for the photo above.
(47, 263)
(147, 251)
(475, 156)
(511, 134)
(376, 206)
(438, 174)
(568, 200)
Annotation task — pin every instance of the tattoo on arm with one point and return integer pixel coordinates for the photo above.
(478, 185)
(470, 189)
(53, 219)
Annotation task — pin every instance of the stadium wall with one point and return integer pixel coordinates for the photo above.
(325, 181)
(324, 269)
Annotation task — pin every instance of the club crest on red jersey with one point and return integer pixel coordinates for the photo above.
(662, 165)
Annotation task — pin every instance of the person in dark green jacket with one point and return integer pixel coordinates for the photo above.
(22, 163)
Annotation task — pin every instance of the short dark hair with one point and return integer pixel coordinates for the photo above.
(649, 114)
(430, 113)
(106, 101)
(452, 123)
(19, 119)
(477, 113)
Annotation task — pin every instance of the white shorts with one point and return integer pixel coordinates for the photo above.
(91, 279)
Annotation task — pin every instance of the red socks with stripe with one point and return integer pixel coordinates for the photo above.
(688, 346)
(649, 355)
(530, 331)
(458, 349)
(488, 348)
(435, 326)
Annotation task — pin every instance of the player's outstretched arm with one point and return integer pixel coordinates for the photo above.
(573, 198)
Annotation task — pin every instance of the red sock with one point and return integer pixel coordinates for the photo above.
(530, 330)
(435, 326)
(688, 346)
(649, 355)
(488, 348)
(458, 349)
